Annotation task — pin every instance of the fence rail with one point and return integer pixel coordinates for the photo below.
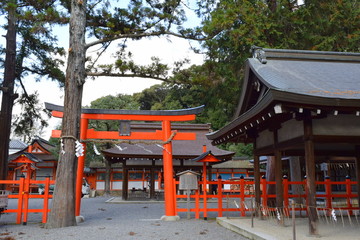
(24, 194)
(244, 191)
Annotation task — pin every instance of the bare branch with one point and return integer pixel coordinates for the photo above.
(142, 35)
(107, 74)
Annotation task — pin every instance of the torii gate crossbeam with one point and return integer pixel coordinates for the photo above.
(164, 116)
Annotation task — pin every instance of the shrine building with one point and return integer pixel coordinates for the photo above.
(299, 104)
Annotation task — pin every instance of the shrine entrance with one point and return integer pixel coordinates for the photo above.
(164, 136)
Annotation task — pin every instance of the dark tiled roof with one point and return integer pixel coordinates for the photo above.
(184, 149)
(28, 155)
(17, 144)
(321, 79)
(43, 143)
(235, 164)
(195, 110)
(299, 78)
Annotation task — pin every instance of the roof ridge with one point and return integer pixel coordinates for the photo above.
(263, 54)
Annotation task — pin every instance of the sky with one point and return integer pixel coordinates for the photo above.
(168, 49)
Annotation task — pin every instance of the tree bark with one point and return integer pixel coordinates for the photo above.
(7, 89)
(63, 208)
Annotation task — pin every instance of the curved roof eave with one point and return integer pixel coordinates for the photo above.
(273, 97)
(242, 118)
(188, 111)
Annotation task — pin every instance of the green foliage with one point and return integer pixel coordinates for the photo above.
(239, 24)
(239, 149)
(31, 120)
(55, 151)
(36, 44)
(121, 101)
(138, 20)
(36, 55)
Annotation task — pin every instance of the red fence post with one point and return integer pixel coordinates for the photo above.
(220, 197)
(328, 193)
(348, 193)
(20, 200)
(242, 196)
(25, 193)
(286, 194)
(46, 200)
(197, 210)
(264, 191)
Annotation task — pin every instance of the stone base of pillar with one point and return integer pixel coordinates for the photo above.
(79, 219)
(170, 218)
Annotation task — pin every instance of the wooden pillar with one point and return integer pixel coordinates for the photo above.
(310, 174)
(107, 190)
(257, 181)
(152, 180)
(357, 170)
(278, 173)
(279, 180)
(125, 181)
(295, 176)
(270, 176)
(169, 190)
(80, 167)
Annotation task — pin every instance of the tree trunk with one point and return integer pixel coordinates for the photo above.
(63, 207)
(8, 96)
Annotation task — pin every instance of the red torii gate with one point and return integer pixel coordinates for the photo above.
(164, 116)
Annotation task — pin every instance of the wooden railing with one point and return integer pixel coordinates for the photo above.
(244, 190)
(24, 195)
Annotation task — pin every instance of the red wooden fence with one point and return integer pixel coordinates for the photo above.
(245, 191)
(24, 194)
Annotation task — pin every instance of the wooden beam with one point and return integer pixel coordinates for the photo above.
(310, 174)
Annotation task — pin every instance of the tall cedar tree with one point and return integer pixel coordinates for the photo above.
(7, 88)
(150, 18)
(30, 20)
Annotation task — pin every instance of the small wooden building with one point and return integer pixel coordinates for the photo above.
(142, 162)
(41, 152)
(298, 103)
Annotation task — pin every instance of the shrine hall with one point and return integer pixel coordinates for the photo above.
(147, 157)
(303, 104)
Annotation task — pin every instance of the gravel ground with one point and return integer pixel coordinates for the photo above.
(135, 221)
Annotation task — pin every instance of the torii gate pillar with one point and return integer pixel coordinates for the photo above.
(80, 166)
(165, 116)
(170, 214)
